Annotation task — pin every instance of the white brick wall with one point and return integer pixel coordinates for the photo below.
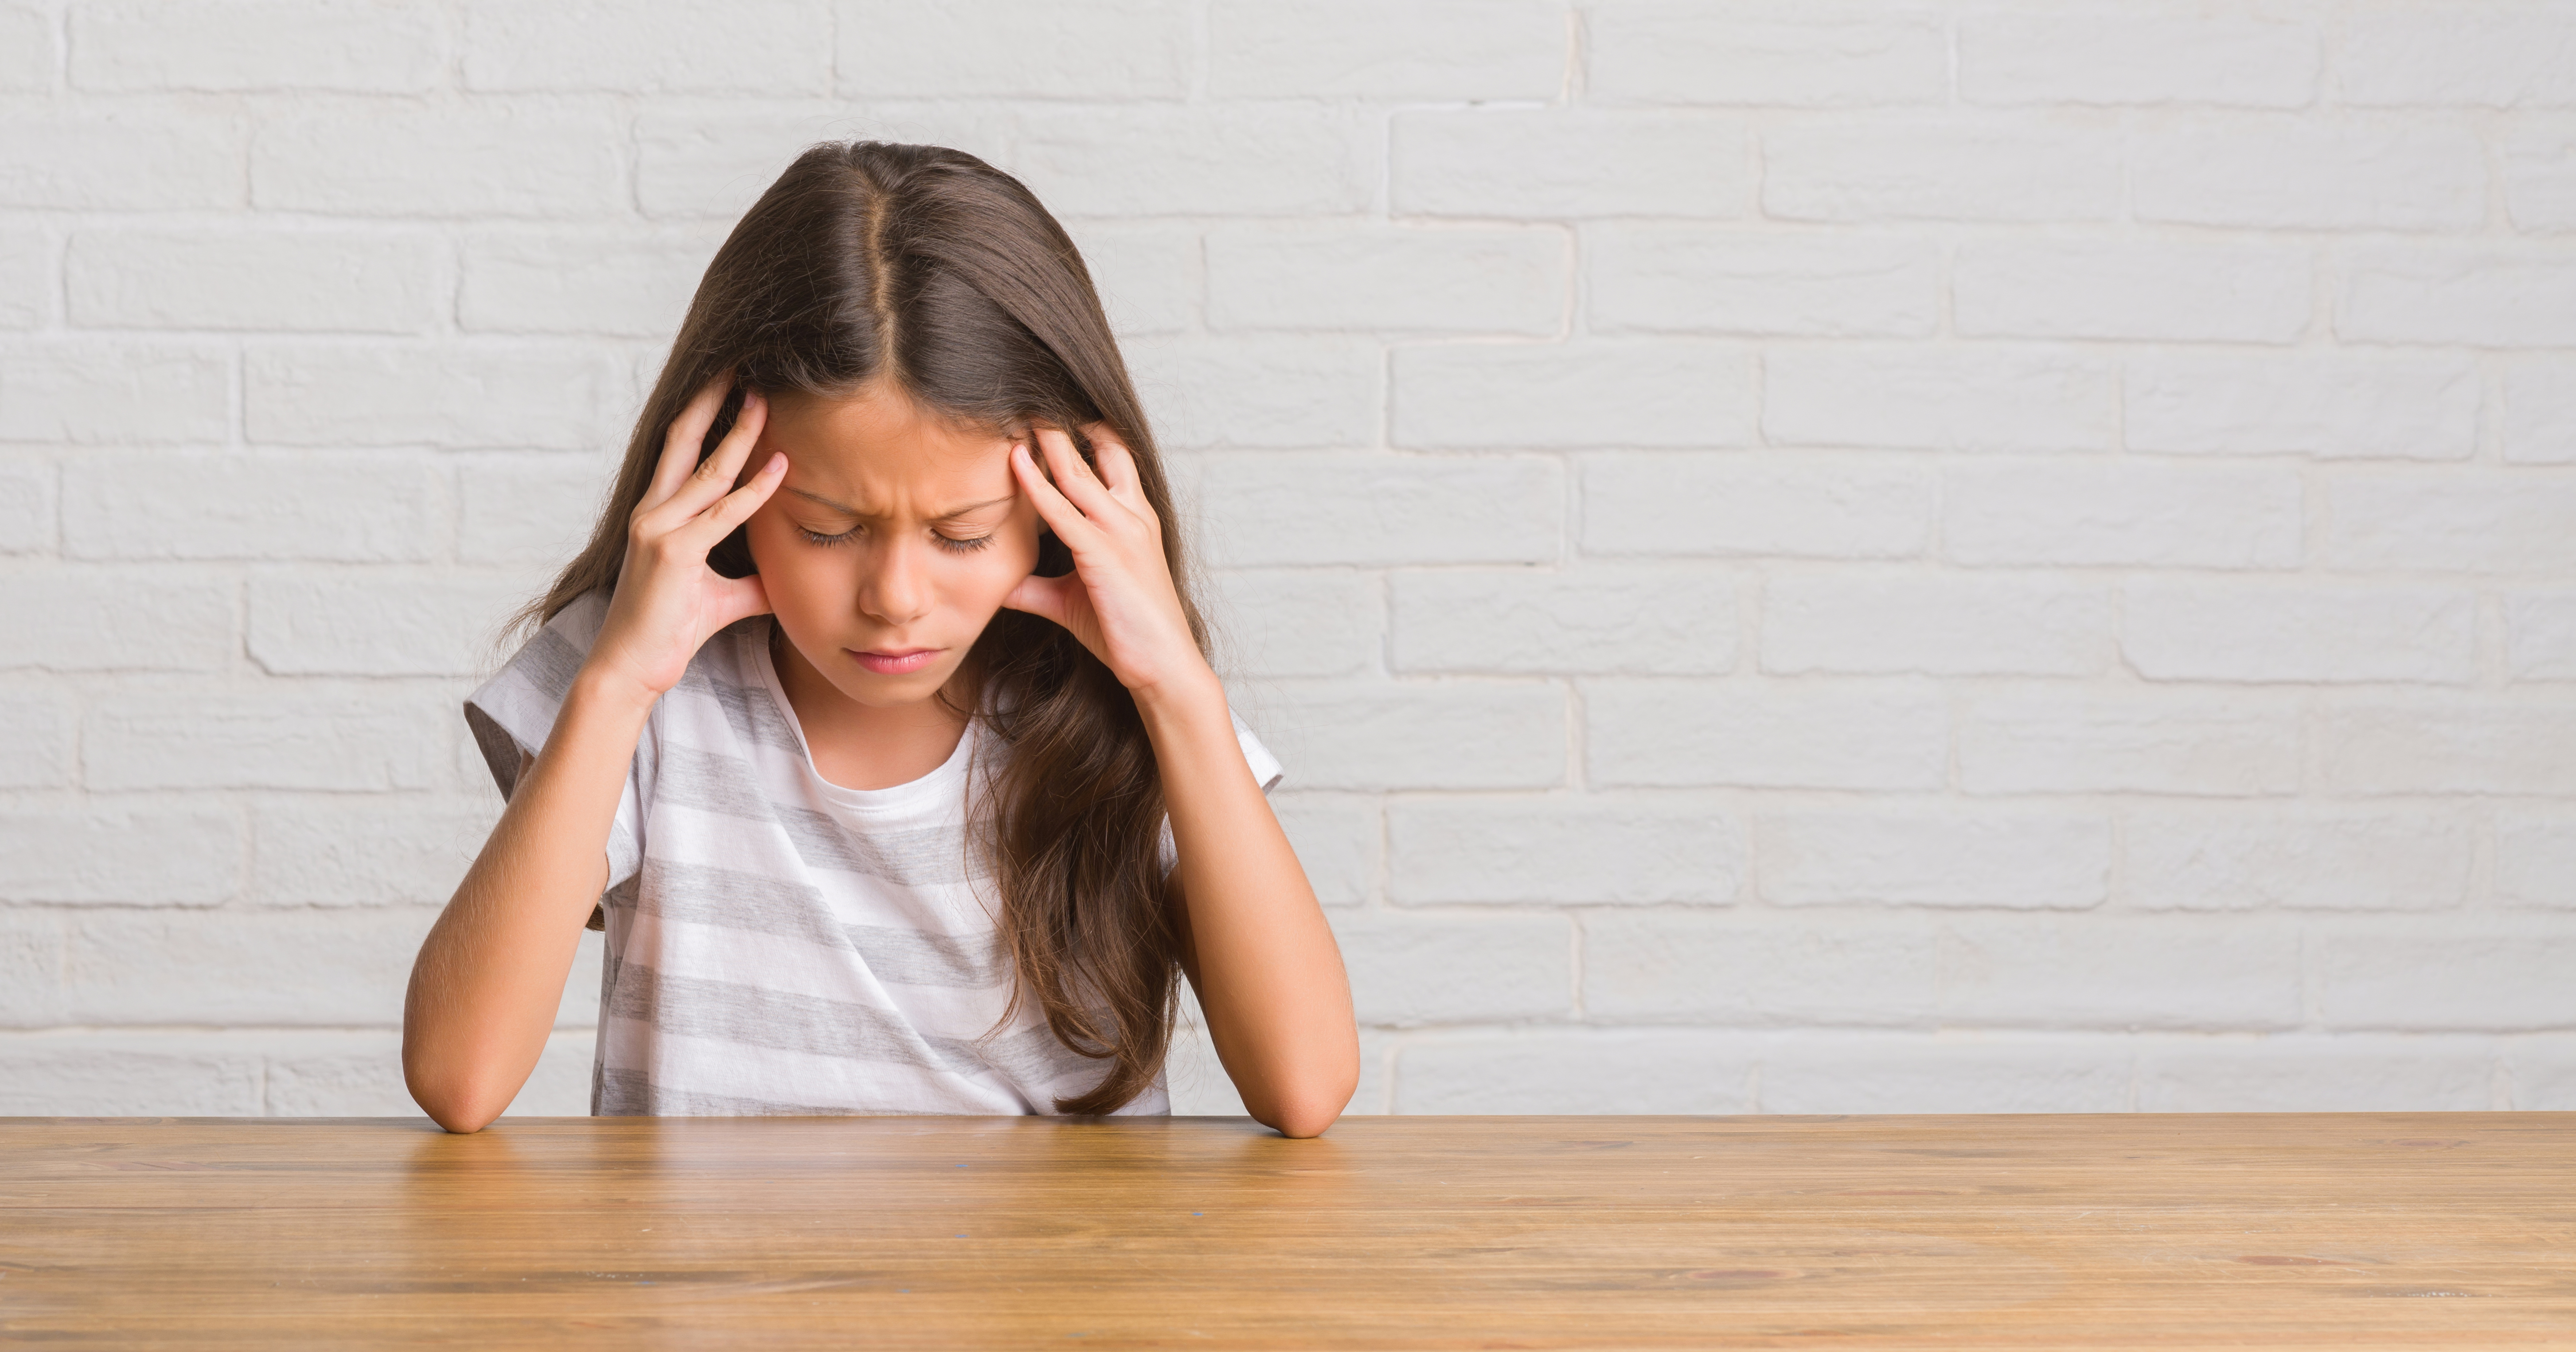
(1866, 555)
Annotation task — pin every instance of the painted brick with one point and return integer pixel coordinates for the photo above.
(109, 621)
(1912, 167)
(2252, 293)
(2178, 743)
(2452, 521)
(122, 159)
(1573, 1070)
(2539, 413)
(1736, 505)
(241, 967)
(359, 1074)
(2154, 515)
(357, 508)
(1148, 276)
(1294, 390)
(2162, 53)
(1430, 49)
(26, 279)
(93, 395)
(1557, 850)
(1594, 619)
(2540, 636)
(1902, 856)
(1382, 509)
(36, 741)
(1663, 393)
(1770, 52)
(2307, 1074)
(1419, 735)
(1569, 162)
(2307, 859)
(2098, 972)
(2488, 295)
(26, 507)
(1949, 1073)
(1670, 733)
(2539, 164)
(122, 857)
(710, 159)
(2336, 405)
(2485, 55)
(309, 851)
(1885, 622)
(2446, 746)
(2289, 173)
(583, 281)
(371, 624)
(256, 279)
(1196, 160)
(2174, 630)
(257, 47)
(1099, 49)
(1684, 279)
(766, 47)
(368, 738)
(469, 162)
(528, 509)
(2540, 1072)
(1939, 399)
(1298, 622)
(28, 55)
(1410, 970)
(2536, 858)
(1463, 279)
(2418, 979)
(1340, 838)
(555, 397)
(105, 1074)
(31, 969)
(1740, 971)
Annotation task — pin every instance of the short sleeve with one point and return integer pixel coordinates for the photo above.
(512, 713)
(1266, 772)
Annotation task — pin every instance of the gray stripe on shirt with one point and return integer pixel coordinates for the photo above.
(632, 1093)
(756, 1017)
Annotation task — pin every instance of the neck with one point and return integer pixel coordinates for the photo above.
(863, 746)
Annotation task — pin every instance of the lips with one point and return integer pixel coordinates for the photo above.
(900, 662)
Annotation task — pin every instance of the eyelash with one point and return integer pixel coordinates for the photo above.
(950, 543)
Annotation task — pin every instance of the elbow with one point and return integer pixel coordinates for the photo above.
(460, 1102)
(1303, 1106)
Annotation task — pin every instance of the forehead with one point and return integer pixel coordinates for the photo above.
(881, 451)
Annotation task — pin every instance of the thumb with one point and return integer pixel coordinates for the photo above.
(1042, 596)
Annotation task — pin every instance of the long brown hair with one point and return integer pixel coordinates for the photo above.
(932, 269)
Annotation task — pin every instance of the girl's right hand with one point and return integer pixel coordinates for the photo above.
(668, 601)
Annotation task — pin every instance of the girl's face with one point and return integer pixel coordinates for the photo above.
(892, 540)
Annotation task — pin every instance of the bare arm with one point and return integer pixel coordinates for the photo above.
(1257, 947)
(490, 975)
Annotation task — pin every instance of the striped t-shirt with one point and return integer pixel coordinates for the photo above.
(778, 943)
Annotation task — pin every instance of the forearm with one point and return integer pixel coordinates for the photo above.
(490, 976)
(1268, 973)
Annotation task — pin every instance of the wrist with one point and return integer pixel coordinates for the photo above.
(1193, 691)
(610, 693)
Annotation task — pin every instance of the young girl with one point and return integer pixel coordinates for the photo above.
(874, 723)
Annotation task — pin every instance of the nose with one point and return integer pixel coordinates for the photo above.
(896, 588)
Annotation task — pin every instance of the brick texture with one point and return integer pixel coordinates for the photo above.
(1801, 555)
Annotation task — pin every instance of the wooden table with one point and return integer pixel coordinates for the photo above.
(2430, 1230)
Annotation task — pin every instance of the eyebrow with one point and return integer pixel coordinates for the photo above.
(855, 514)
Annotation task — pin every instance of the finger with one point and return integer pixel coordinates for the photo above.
(1070, 525)
(680, 444)
(715, 477)
(1045, 597)
(735, 598)
(736, 507)
(1073, 478)
(1117, 463)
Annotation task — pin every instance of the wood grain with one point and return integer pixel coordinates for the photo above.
(2431, 1230)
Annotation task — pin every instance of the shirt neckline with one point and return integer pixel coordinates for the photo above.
(942, 787)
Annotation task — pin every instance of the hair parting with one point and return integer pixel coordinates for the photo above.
(931, 269)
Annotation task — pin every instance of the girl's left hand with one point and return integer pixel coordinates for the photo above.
(1119, 599)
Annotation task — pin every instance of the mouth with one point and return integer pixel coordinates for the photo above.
(897, 662)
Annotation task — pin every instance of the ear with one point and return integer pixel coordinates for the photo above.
(1054, 560)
